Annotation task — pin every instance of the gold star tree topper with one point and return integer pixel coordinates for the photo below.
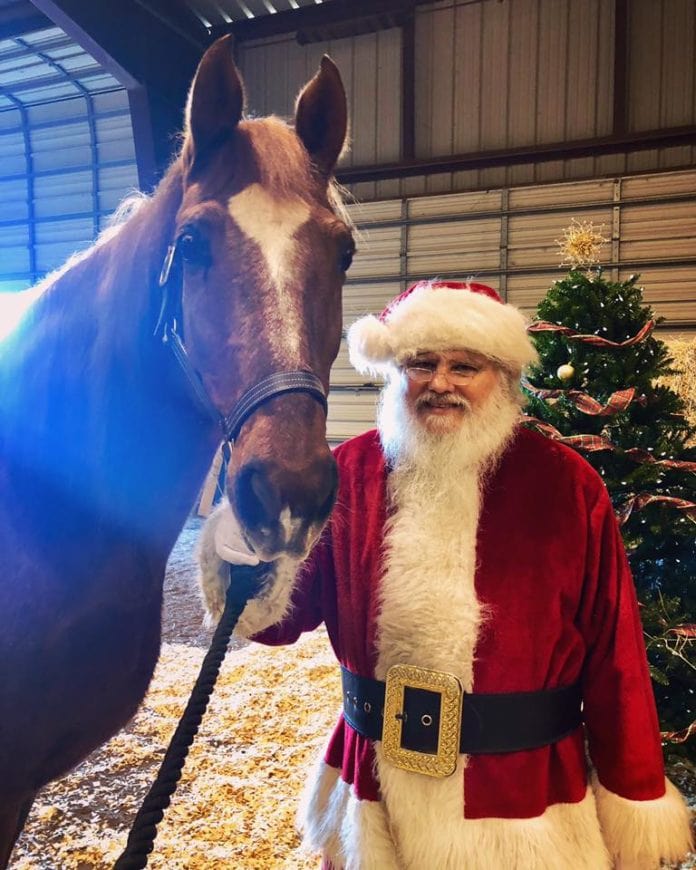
(581, 244)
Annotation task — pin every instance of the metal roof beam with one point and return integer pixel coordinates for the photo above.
(664, 138)
(20, 18)
(49, 81)
(46, 45)
(136, 45)
(152, 48)
(351, 16)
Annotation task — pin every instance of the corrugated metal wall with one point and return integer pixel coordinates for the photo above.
(507, 238)
(500, 74)
(66, 153)
(370, 67)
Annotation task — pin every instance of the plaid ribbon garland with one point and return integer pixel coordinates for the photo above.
(644, 456)
(687, 630)
(572, 335)
(594, 443)
(639, 501)
(617, 402)
(679, 736)
(590, 443)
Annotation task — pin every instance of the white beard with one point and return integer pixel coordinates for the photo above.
(429, 613)
(437, 456)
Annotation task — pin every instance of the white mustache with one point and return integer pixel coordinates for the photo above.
(438, 400)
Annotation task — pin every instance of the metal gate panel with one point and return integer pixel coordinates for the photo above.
(551, 196)
(454, 204)
(671, 184)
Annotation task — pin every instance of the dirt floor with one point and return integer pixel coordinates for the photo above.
(236, 803)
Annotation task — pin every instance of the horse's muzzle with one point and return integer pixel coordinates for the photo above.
(282, 510)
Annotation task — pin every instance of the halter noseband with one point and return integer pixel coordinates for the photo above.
(169, 330)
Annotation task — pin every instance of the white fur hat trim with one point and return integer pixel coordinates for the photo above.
(435, 316)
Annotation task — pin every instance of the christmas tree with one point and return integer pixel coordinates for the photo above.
(596, 389)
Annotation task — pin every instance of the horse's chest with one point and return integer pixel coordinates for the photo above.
(84, 671)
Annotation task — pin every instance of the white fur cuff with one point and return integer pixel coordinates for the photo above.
(640, 834)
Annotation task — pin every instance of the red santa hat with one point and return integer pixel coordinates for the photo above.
(441, 315)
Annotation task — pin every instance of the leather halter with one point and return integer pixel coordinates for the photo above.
(169, 329)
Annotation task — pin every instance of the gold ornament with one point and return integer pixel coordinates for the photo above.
(581, 244)
(565, 372)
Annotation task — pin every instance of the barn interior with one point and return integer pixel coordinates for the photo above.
(480, 131)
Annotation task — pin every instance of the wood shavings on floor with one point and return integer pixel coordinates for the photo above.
(268, 720)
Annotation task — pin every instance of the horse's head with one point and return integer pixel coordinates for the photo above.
(264, 253)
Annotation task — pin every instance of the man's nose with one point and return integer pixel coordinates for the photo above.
(440, 381)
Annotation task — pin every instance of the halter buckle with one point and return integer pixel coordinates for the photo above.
(167, 264)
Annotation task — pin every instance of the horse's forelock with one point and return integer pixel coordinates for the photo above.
(283, 163)
(339, 196)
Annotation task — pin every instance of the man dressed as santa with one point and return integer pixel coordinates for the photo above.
(476, 592)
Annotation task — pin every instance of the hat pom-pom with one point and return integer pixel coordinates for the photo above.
(369, 345)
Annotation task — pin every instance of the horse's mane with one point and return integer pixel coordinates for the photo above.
(129, 205)
(89, 312)
(117, 271)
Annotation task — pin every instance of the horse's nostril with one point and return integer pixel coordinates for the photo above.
(257, 500)
(265, 493)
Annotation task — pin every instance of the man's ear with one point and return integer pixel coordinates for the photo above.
(321, 116)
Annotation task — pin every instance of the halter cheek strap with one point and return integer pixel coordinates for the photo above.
(168, 330)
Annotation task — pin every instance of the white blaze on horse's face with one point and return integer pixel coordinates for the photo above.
(272, 224)
(264, 252)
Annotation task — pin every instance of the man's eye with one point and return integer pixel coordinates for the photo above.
(463, 369)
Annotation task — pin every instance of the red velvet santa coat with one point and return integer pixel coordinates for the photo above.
(552, 578)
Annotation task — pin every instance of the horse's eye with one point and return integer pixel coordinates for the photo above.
(346, 257)
(194, 247)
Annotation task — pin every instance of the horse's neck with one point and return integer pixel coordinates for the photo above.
(100, 429)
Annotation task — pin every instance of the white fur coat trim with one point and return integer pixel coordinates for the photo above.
(440, 319)
(351, 833)
(357, 835)
(639, 834)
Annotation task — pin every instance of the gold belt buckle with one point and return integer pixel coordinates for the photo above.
(444, 762)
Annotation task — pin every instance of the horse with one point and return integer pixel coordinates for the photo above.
(212, 311)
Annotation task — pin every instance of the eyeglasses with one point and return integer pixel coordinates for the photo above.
(457, 373)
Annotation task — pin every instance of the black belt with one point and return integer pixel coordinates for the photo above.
(490, 723)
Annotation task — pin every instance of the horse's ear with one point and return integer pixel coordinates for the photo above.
(321, 116)
(215, 102)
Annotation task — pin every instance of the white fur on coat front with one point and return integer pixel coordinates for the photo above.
(358, 835)
(643, 833)
(349, 832)
(430, 616)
